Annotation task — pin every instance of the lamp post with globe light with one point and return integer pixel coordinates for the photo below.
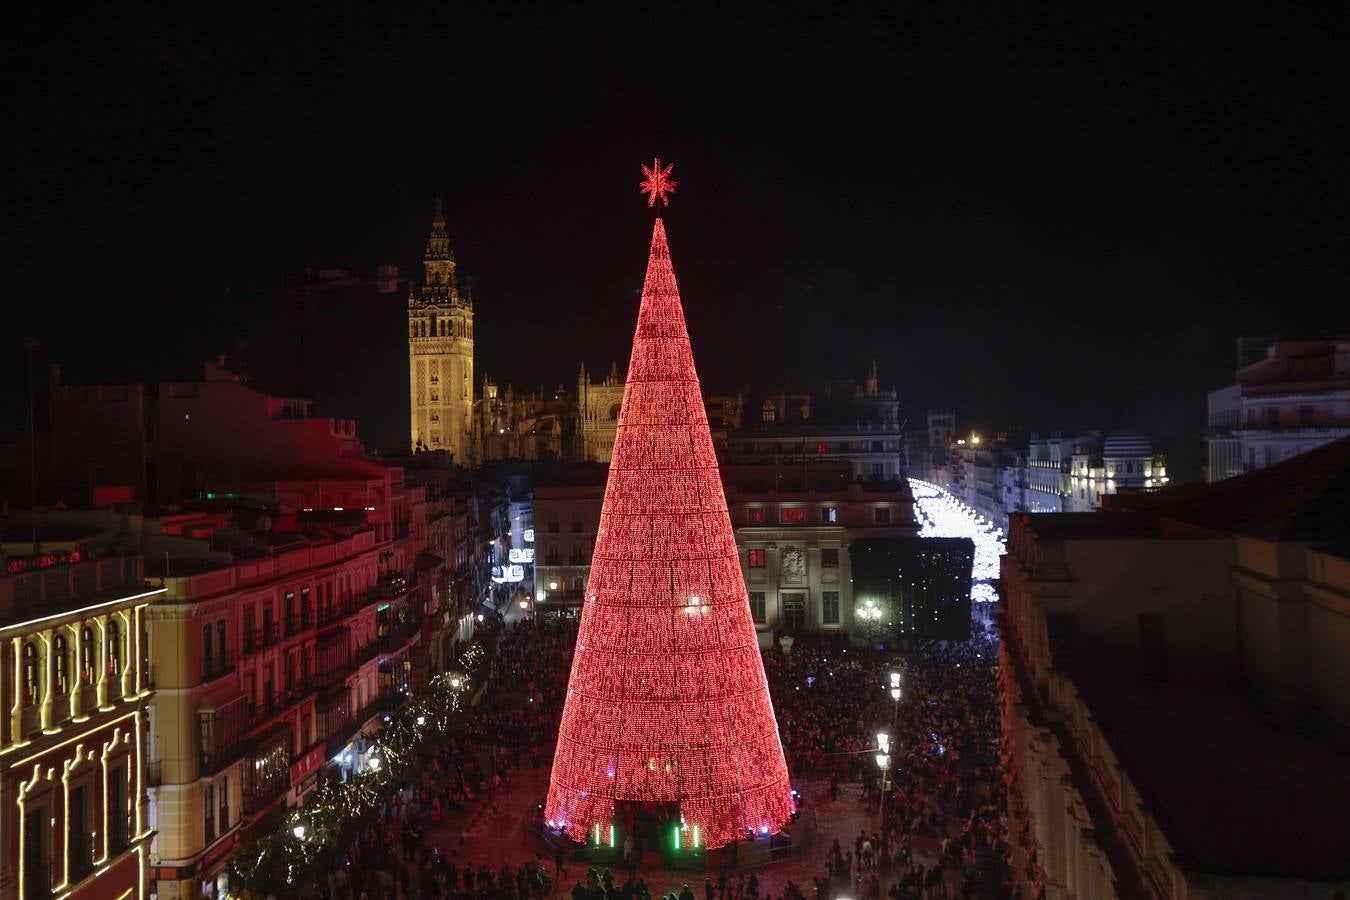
(883, 759)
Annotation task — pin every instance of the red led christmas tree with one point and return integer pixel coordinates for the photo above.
(667, 702)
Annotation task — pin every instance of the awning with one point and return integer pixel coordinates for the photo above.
(428, 561)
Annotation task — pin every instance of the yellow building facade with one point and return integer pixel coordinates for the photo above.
(440, 353)
(73, 818)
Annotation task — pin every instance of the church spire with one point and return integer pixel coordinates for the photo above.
(438, 243)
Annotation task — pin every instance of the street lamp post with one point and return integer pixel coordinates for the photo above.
(895, 697)
(884, 764)
(884, 742)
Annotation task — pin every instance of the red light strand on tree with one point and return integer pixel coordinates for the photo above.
(667, 700)
(658, 183)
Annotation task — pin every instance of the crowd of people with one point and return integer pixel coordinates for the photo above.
(941, 832)
(942, 792)
(392, 857)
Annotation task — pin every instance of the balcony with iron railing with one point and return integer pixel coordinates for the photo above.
(335, 612)
(224, 733)
(395, 585)
(298, 690)
(217, 666)
(299, 622)
(261, 794)
(262, 637)
(368, 650)
(343, 729)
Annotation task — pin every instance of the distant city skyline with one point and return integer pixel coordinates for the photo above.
(1063, 222)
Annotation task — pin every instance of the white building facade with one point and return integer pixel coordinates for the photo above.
(1293, 401)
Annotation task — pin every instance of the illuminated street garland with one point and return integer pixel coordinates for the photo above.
(942, 515)
(667, 702)
(313, 837)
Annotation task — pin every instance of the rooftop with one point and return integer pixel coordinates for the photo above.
(1234, 794)
(1301, 499)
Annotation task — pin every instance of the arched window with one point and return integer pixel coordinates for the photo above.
(32, 667)
(114, 651)
(86, 655)
(61, 664)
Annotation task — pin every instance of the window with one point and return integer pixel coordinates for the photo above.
(60, 664)
(210, 812)
(829, 606)
(876, 446)
(755, 558)
(820, 447)
(1305, 416)
(792, 514)
(829, 557)
(830, 515)
(878, 469)
(36, 849)
(86, 656)
(224, 803)
(220, 644)
(31, 677)
(117, 810)
(114, 648)
(207, 667)
(79, 850)
(1272, 417)
(882, 514)
(756, 515)
(757, 607)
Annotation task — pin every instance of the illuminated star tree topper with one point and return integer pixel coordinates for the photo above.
(658, 182)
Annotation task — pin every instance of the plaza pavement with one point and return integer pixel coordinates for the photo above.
(492, 832)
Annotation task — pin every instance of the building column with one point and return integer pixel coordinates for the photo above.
(101, 658)
(48, 675)
(16, 711)
(127, 650)
(73, 679)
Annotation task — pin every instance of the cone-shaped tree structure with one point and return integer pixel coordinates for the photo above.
(667, 701)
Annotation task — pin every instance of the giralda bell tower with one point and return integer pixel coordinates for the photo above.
(440, 352)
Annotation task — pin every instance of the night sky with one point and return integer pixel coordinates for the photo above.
(1043, 219)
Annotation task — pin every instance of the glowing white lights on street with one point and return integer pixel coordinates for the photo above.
(942, 515)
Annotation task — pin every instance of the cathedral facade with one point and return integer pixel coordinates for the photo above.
(440, 353)
(598, 408)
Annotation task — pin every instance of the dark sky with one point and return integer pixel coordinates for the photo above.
(1057, 219)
